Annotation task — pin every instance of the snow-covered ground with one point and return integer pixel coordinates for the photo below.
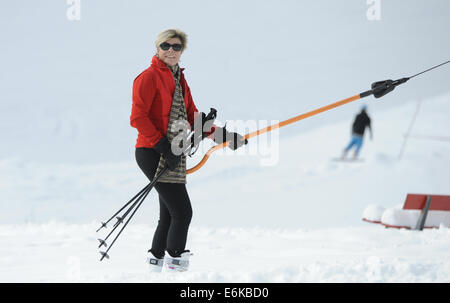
(59, 252)
(296, 221)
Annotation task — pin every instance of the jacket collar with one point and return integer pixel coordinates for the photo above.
(160, 64)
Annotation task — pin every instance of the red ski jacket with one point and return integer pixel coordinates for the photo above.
(153, 93)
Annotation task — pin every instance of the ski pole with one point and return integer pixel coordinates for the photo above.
(378, 90)
(120, 219)
(104, 224)
(150, 186)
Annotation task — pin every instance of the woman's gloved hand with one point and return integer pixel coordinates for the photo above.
(222, 135)
(164, 148)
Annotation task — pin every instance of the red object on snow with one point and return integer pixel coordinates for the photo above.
(436, 203)
(372, 221)
(417, 201)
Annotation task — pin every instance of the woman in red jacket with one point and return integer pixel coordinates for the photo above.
(162, 101)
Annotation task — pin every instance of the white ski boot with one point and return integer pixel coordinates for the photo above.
(179, 263)
(155, 264)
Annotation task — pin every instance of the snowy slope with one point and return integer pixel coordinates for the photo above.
(299, 220)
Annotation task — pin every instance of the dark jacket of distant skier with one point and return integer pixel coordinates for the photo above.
(362, 121)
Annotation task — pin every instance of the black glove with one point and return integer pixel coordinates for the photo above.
(222, 135)
(164, 148)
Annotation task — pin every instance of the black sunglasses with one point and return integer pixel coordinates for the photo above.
(166, 46)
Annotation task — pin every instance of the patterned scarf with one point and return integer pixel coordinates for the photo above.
(177, 117)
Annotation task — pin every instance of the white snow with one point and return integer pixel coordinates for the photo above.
(373, 213)
(409, 218)
(61, 252)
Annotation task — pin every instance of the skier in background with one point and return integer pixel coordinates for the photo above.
(362, 121)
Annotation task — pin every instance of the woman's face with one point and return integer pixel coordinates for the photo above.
(170, 57)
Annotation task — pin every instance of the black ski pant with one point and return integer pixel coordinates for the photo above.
(175, 211)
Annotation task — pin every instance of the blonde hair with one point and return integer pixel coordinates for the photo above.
(169, 34)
